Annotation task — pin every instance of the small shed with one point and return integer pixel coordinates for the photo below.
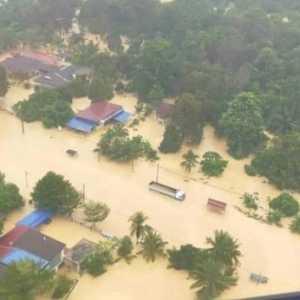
(77, 254)
(81, 125)
(36, 218)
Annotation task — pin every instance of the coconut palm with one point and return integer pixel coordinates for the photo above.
(211, 279)
(152, 246)
(225, 249)
(138, 226)
(190, 161)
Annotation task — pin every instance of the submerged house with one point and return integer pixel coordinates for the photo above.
(60, 77)
(25, 243)
(98, 114)
(23, 66)
(78, 253)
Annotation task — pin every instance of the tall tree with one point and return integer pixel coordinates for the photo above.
(55, 193)
(190, 161)
(24, 281)
(3, 81)
(152, 246)
(210, 279)
(10, 197)
(224, 249)
(100, 89)
(95, 212)
(280, 162)
(188, 116)
(138, 226)
(242, 125)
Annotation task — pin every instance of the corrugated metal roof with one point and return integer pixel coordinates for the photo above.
(12, 236)
(100, 111)
(36, 218)
(81, 125)
(123, 117)
(16, 255)
(39, 244)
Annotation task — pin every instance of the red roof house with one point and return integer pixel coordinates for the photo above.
(100, 112)
(40, 56)
(12, 236)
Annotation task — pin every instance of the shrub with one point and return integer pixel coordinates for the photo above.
(63, 286)
(213, 164)
(250, 200)
(274, 217)
(295, 225)
(94, 264)
(286, 204)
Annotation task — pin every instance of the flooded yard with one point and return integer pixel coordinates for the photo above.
(268, 250)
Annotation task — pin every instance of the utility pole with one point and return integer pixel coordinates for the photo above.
(23, 128)
(83, 192)
(157, 172)
(26, 178)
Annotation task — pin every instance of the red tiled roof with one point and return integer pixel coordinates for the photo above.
(12, 236)
(41, 56)
(100, 111)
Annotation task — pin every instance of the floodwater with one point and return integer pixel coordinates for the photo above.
(266, 249)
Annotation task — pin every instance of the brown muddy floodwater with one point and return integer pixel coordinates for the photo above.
(266, 249)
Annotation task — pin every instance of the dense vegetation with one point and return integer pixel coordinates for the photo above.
(117, 145)
(25, 281)
(286, 204)
(234, 64)
(55, 193)
(10, 197)
(52, 107)
(213, 269)
(213, 164)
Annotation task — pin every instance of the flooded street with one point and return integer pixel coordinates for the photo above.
(268, 250)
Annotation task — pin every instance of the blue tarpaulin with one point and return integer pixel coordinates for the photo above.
(36, 218)
(81, 125)
(122, 117)
(17, 255)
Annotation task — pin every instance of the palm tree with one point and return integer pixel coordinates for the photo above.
(210, 279)
(152, 246)
(190, 161)
(225, 249)
(138, 227)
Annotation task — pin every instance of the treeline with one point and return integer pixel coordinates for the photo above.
(233, 64)
(34, 22)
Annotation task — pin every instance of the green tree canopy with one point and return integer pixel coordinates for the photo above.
(190, 160)
(52, 107)
(224, 249)
(213, 164)
(242, 125)
(280, 163)
(95, 212)
(286, 204)
(55, 193)
(125, 247)
(100, 89)
(210, 279)
(152, 246)
(10, 197)
(24, 281)
(138, 226)
(172, 140)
